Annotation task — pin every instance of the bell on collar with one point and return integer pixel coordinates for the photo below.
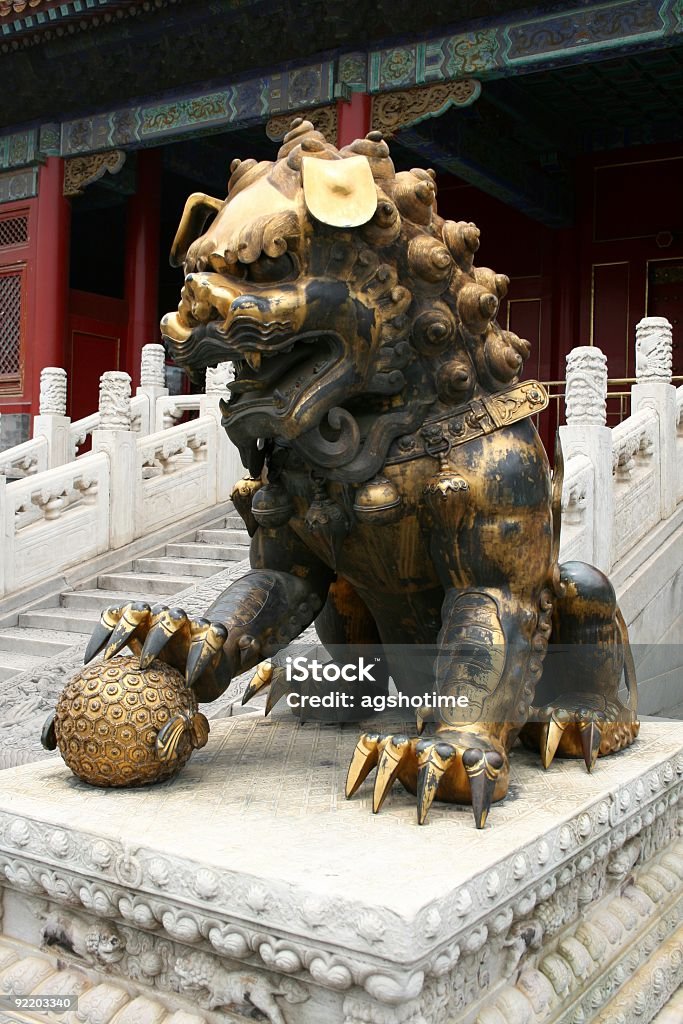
(446, 481)
(377, 502)
(327, 520)
(242, 497)
(272, 506)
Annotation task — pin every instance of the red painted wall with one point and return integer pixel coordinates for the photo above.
(95, 343)
(593, 282)
(17, 261)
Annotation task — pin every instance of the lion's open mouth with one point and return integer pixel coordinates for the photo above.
(281, 374)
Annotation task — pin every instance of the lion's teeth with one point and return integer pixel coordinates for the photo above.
(254, 360)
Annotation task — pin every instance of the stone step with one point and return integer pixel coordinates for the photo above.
(234, 521)
(194, 550)
(148, 583)
(12, 662)
(68, 620)
(182, 566)
(232, 537)
(98, 599)
(39, 642)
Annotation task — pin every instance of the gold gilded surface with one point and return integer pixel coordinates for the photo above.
(324, 185)
(398, 494)
(108, 718)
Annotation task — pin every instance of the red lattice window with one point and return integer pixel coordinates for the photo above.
(13, 230)
(11, 326)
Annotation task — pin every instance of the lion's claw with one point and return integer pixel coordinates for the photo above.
(102, 631)
(571, 727)
(443, 766)
(134, 615)
(193, 646)
(433, 760)
(590, 735)
(279, 686)
(164, 623)
(395, 751)
(365, 758)
(483, 769)
(275, 678)
(207, 643)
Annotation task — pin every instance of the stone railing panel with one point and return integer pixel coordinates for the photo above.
(635, 463)
(25, 459)
(73, 524)
(577, 508)
(170, 409)
(176, 474)
(140, 415)
(81, 430)
(140, 422)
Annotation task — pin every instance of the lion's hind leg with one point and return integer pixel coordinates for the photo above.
(578, 708)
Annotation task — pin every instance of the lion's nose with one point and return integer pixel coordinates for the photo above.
(248, 303)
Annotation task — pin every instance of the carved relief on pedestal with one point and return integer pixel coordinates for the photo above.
(52, 391)
(81, 171)
(115, 401)
(653, 350)
(216, 986)
(586, 387)
(96, 942)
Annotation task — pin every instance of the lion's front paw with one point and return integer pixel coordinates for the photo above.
(581, 725)
(194, 646)
(453, 766)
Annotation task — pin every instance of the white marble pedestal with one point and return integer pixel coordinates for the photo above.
(248, 888)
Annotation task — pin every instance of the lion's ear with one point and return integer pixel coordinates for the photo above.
(197, 211)
(340, 193)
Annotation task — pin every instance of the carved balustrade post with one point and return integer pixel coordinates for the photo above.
(152, 382)
(654, 390)
(115, 437)
(229, 467)
(52, 422)
(586, 433)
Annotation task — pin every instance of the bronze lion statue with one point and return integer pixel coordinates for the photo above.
(398, 494)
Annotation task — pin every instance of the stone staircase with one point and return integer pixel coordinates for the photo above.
(44, 630)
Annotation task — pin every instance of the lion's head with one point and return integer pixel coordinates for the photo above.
(347, 305)
(104, 944)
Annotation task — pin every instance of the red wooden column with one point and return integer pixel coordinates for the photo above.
(353, 118)
(50, 283)
(142, 260)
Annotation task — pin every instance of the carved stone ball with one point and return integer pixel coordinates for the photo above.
(108, 716)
